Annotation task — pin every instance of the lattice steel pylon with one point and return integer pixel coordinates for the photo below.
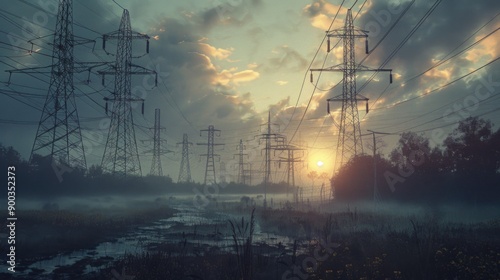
(210, 165)
(269, 136)
(156, 168)
(120, 154)
(349, 142)
(241, 164)
(185, 170)
(290, 161)
(59, 135)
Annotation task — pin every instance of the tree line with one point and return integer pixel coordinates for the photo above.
(464, 167)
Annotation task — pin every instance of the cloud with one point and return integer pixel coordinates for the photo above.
(245, 76)
(321, 14)
(282, 83)
(231, 76)
(234, 13)
(285, 58)
(218, 53)
(486, 50)
(440, 73)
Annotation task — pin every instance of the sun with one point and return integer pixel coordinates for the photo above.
(319, 163)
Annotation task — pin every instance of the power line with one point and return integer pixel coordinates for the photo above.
(402, 43)
(446, 58)
(309, 67)
(440, 87)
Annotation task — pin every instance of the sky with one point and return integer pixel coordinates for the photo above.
(230, 63)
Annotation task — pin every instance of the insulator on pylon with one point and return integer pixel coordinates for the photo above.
(106, 108)
(88, 78)
(147, 46)
(142, 110)
(328, 45)
(367, 109)
(103, 43)
(390, 78)
(102, 81)
(366, 46)
(156, 79)
(328, 106)
(311, 77)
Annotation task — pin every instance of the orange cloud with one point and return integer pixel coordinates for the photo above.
(245, 76)
(212, 51)
(484, 51)
(437, 73)
(227, 76)
(322, 13)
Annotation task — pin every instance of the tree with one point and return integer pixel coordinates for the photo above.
(354, 181)
(312, 175)
(472, 152)
(412, 149)
(469, 147)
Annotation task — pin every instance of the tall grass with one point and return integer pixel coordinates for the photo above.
(242, 234)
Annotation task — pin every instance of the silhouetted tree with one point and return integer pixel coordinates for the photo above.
(354, 181)
(472, 154)
(312, 175)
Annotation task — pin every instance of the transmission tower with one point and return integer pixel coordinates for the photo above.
(268, 137)
(247, 175)
(185, 171)
(59, 135)
(120, 154)
(241, 164)
(210, 166)
(156, 164)
(290, 161)
(222, 176)
(349, 142)
(157, 150)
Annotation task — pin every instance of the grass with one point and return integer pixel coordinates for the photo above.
(61, 231)
(367, 246)
(242, 234)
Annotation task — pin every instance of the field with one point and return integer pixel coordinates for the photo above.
(229, 240)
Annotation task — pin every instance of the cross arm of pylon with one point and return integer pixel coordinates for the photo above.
(31, 70)
(213, 129)
(81, 67)
(162, 152)
(341, 68)
(234, 155)
(81, 41)
(116, 35)
(340, 33)
(135, 70)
